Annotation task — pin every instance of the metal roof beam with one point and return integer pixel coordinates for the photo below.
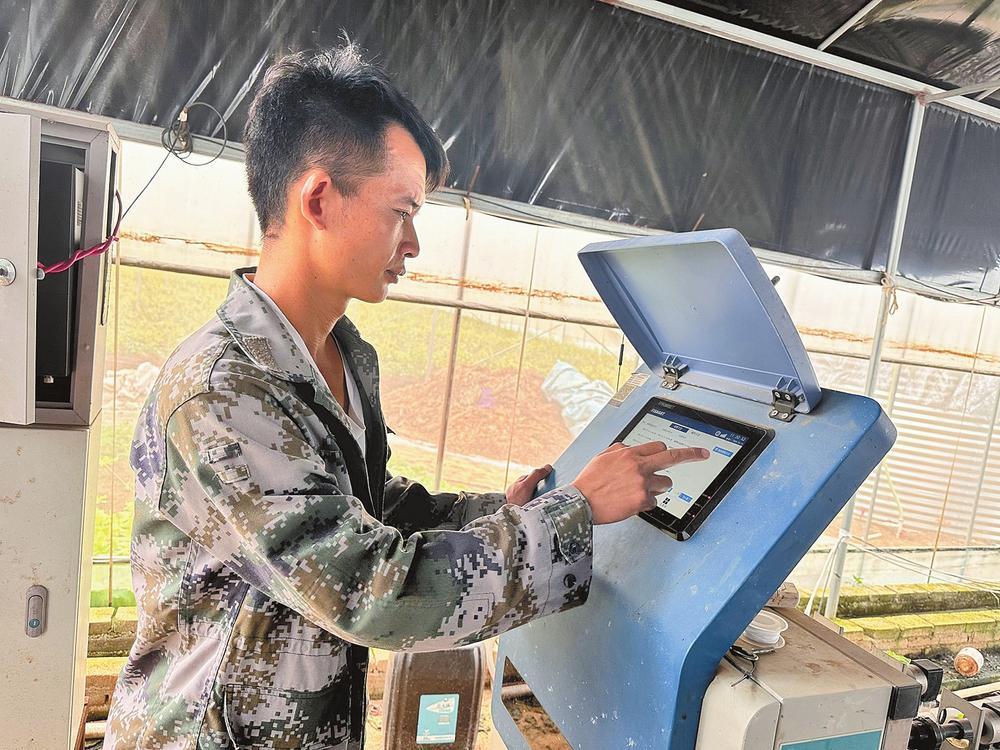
(986, 94)
(849, 24)
(972, 88)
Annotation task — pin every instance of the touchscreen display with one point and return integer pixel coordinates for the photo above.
(698, 486)
(680, 430)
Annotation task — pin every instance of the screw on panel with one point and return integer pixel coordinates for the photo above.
(7, 272)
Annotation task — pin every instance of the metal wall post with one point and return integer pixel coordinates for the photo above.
(884, 308)
(456, 328)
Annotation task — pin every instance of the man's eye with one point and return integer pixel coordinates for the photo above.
(404, 215)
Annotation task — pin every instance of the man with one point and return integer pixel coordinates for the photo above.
(270, 548)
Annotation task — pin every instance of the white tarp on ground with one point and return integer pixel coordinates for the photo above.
(578, 397)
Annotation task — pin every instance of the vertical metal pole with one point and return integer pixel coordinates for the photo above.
(890, 402)
(958, 445)
(890, 405)
(982, 480)
(431, 338)
(114, 424)
(878, 340)
(456, 328)
(520, 359)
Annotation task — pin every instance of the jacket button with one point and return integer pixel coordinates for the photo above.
(569, 580)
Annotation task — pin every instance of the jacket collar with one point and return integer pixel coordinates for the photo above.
(264, 337)
(266, 340)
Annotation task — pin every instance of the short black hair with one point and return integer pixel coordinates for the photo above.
(327, 109)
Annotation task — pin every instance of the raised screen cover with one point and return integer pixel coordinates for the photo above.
(702, 301)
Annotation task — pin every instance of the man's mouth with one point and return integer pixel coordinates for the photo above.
(394, 275)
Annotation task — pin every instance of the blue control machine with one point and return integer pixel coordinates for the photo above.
(672, 590)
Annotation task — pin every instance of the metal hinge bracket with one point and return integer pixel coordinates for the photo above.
(672, 375)
(783, 405)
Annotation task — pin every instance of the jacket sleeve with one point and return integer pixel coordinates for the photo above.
(242, 482)
(410, 507)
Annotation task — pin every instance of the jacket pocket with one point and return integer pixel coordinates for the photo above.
(265, 719)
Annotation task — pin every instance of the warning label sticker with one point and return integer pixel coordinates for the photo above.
(636, 380)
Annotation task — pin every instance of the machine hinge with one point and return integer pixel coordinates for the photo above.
(783, 405)
(672, 376)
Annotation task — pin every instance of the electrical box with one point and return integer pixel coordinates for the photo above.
(60, 170)
(58, 174)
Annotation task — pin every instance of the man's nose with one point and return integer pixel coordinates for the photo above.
(411, 245)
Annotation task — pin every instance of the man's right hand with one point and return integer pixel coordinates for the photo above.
(622, 480)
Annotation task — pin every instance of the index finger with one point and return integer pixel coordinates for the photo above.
(673, 456)
(649, 449)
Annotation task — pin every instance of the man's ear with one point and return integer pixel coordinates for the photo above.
(318, 200)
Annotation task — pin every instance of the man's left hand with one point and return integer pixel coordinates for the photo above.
(523, 488)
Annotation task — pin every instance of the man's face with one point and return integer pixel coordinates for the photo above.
(365, 248)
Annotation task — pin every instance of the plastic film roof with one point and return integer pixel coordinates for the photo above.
(579, 106)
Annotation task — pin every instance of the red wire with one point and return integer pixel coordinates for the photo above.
(101, 247)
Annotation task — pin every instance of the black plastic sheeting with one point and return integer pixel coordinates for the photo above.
(802, 21)
(953, 228)
(570, 104)
(948, 43)
(625, 118)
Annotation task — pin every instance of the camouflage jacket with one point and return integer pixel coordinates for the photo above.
(268, 555)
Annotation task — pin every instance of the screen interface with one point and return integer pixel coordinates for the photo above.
(678, 430)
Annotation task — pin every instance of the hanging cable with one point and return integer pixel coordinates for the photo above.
(177, 139)
(180, 139)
